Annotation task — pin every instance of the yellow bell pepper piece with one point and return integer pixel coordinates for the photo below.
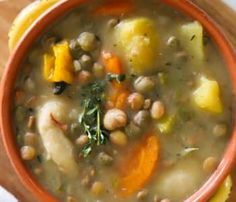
(58, 67)
(207, 96)
(26, 17)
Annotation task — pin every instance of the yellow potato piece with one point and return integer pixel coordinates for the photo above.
(58, 67)
(207, 96)
(191, 37)
(138, 40)
(26, 17)
(223, 193)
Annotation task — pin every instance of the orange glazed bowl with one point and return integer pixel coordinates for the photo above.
(34, 32)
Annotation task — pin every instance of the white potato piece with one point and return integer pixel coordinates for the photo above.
(191, 37)
(180, 180)
(58, 147)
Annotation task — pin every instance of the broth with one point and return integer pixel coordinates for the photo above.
(124, 105)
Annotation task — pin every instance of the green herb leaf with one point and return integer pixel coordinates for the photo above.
(188, 150)
(90, 119)
(116, 77)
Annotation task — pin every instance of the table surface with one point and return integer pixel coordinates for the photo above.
(9, 9)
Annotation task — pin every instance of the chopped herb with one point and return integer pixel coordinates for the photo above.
(90, 118)
(168, 64)
(31, 110)
(39, 158)
(59, 87)
(187, 150)
(193, 37)
(206, 39)
(118, 77)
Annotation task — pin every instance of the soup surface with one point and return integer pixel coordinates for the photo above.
(123, 101)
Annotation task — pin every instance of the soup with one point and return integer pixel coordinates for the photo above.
(119, 102)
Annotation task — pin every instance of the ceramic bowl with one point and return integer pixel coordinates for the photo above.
(13, 67)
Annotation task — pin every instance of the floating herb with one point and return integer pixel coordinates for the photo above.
(116, 77)
(187, 150)
(193, 37)
(90, 119)
(59, 87)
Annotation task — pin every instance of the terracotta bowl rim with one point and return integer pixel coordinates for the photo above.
(37, 28)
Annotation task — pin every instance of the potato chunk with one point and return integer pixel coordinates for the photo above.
(207, 96)
(191, 37)
(179, 180)
(138, 40)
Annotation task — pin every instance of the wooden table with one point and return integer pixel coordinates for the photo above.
(9, 9)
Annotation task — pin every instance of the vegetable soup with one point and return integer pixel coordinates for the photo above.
(123, 101)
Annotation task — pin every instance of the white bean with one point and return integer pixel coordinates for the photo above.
(114, 118)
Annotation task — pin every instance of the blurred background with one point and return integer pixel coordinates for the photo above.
(223, 11)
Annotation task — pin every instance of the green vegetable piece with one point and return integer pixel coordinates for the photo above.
(166, 125)
(162, 78)
(223, 193)
(191, 38)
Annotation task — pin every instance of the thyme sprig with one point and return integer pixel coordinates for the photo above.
(91, 117)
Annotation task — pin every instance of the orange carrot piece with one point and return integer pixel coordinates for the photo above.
(114, 7)
(112, 63)
(118, 92)
(138, 168)
(121, 100)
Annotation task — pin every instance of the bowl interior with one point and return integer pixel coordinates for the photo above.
(14, 63)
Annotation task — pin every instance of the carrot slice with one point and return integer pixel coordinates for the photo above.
(121, 100)
(118, 92)
(137, 169)
(114, 8)
(112, 63)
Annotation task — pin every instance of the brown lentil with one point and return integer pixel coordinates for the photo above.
(84, 77)
(135, 101)
(210, 164)
(118, 138)
(31, 122)
(97, 188)
(157, 110)
(82, 140)
(28, 153)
